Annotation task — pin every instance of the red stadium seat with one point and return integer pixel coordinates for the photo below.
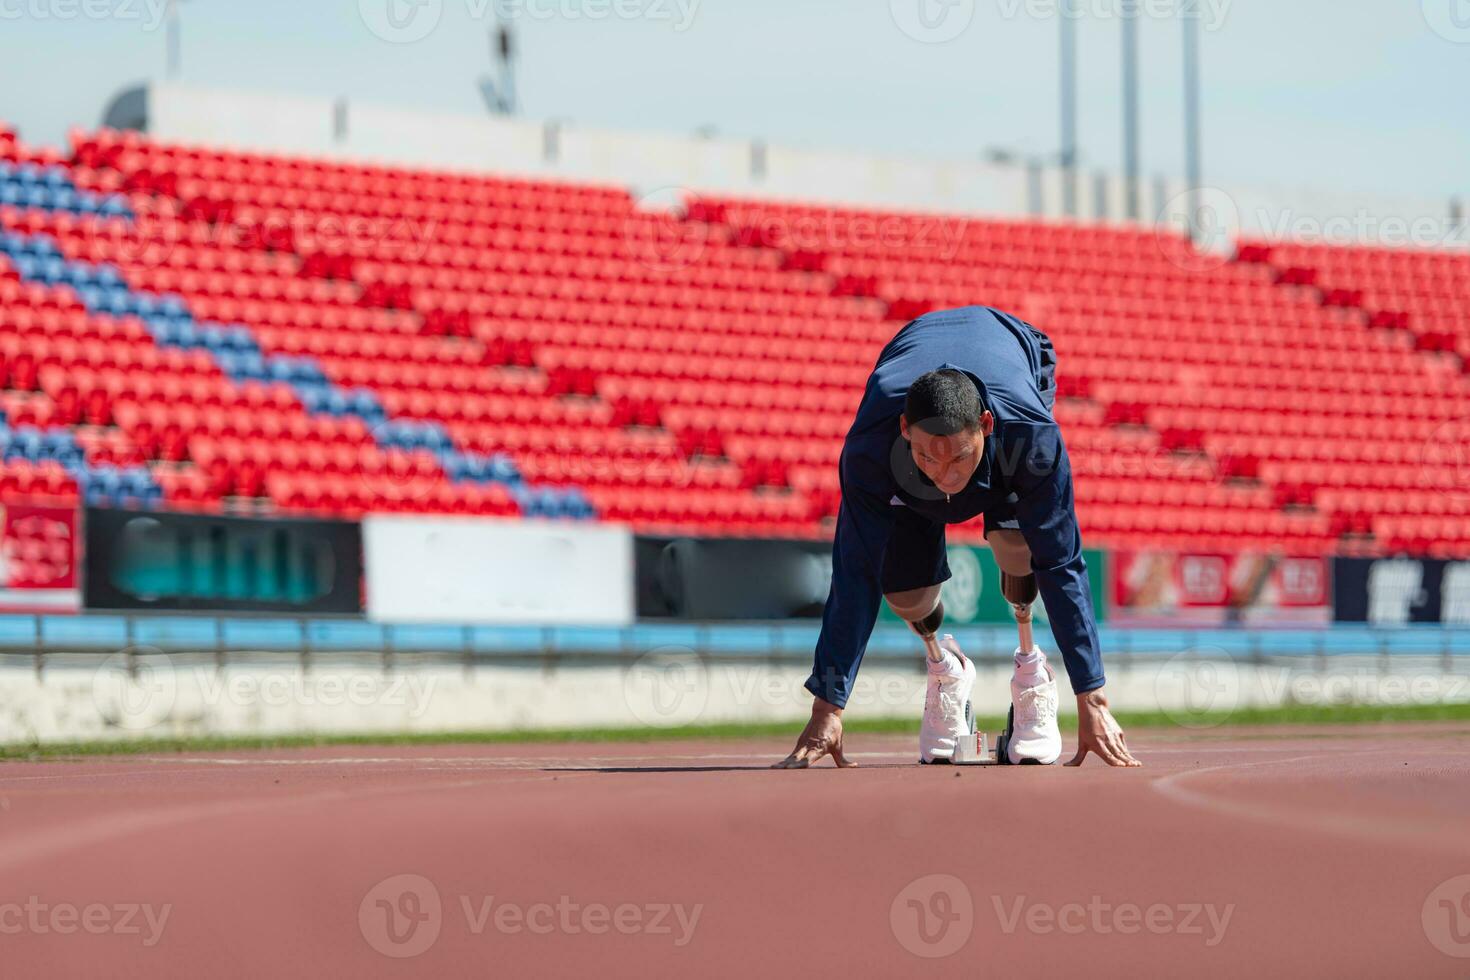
(558, 324)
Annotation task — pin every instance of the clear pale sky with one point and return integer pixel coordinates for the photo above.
(1363, 95)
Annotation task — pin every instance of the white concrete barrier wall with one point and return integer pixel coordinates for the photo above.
(168, 697)
(241, 120)
(651, 162)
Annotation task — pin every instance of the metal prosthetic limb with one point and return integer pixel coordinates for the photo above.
(928, 629)
(1020, 592)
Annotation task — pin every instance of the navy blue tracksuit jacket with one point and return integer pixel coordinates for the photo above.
(890, 527)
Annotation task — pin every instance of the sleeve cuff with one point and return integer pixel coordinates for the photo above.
(1085, 684)
(834, 698)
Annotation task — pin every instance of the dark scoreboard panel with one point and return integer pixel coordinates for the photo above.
(729, 578)
(1396, 591)
(167, 561)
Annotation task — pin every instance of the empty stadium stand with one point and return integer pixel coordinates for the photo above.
(195, 328)
(1420, 502)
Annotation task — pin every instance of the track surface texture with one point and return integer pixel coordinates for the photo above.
(1316, 852)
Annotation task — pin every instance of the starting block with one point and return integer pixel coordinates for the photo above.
(974, 749)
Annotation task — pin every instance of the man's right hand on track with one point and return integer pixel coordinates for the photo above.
(822, 736)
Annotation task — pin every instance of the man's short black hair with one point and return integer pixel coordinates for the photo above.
(943, 403)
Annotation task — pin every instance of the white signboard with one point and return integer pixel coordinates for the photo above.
(472, 570)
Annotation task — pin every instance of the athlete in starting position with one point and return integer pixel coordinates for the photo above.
(956, 422)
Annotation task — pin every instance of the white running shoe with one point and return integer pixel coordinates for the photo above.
(1036, 738)
(946, 714)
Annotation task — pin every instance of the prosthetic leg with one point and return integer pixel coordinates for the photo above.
(928, 631)
(1020, 592)
(946, 735)
(1038, 740)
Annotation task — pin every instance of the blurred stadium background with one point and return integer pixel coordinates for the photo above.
(329, 414)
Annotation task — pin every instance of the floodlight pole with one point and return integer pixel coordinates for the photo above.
(1130, 109)
(1193, 164)
(1068, 84)
(174, 41)
(505, 53)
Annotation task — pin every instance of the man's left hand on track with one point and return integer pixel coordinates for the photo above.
(822, 736)
(1099, 732)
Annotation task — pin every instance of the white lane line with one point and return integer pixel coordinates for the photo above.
(505, 762)
(490, 762)
(511, 761)
(1403, 830)
(465, 762)
(25, 848)
(99, 774)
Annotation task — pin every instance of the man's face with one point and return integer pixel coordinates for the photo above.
(948, 461)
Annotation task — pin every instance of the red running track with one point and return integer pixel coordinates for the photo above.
(1321, 853)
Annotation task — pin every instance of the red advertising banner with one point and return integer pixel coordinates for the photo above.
(1166, 588)
(39, 558)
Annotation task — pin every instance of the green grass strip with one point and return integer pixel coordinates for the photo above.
(1176, 722)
